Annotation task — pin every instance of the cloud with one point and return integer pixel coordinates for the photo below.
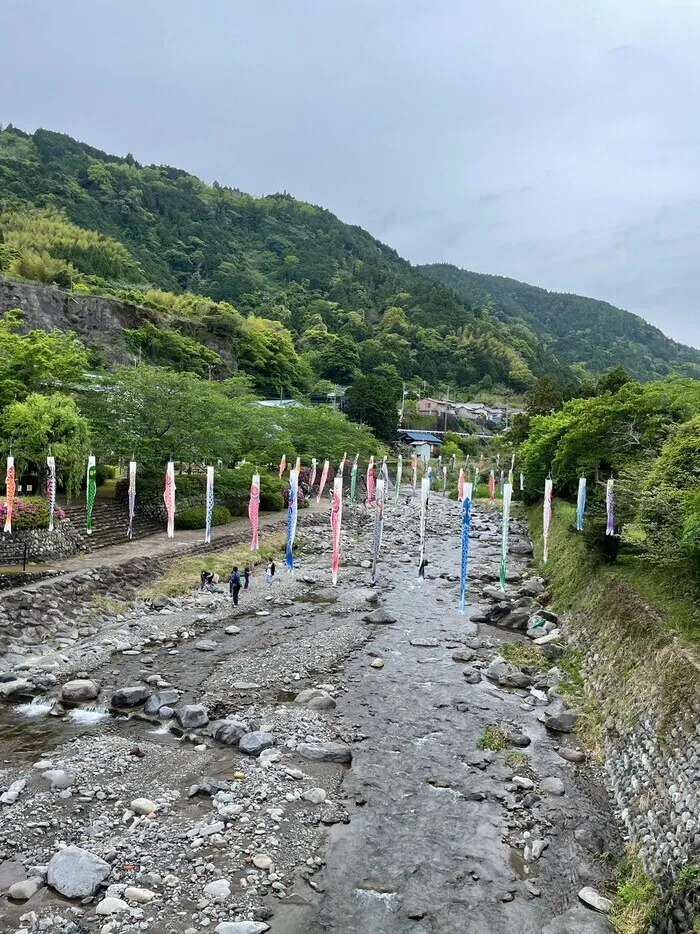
(553, 142)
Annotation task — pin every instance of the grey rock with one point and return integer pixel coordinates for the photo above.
(19, 685)
(314, 795)
(130, 697)
(325, 752)
(379, 617)
(531, 587)
(206, 645)
(79, 690)
(303, 697)
(111, 906)
(579, 920)
(59, 778)
(160, 699)
(325, 702)
(229, 732)
(241, 927)
(463, 655)
(571, 755)
(22, 891)
(507, 675)
(166, 713)
(595, 900)
(552, 786)
(232, 630)
(76, 873)
(192, 716)
(472, 675)
(425, 643)
(564, 722)
(254, 743)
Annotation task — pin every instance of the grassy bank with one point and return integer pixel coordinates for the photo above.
(183, 575)
(635, 631)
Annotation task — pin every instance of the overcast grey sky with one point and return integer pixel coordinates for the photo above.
(554, 141)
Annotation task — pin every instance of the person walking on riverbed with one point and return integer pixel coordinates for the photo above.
(234, 583)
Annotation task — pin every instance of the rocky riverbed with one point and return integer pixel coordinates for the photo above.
(319, 759)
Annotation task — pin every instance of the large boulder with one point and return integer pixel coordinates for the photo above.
(564, 722)
(76, 873)
(192, 716)
(130, 697)
(229, 732)
(379, 617)
(80, 690)
(254, 743)
(325, 752)
(160, 699)
(579, 920)
(241, 927)
(507, 675)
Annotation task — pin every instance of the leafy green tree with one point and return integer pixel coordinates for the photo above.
(164, 347)
(544, 398)
(321, 432)
(36, 361)
(267, 353)
(40, 425)
(612, 381)
(373, 402)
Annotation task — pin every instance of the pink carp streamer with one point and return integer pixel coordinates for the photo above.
(610, 506)
(254, 510)
(169, 497)
(492, 487)
(414, 473)
(283, 465)
(547, 517)
(370, 480)
(324, 477)
(336, 519)
(11, 484)
(460, 485)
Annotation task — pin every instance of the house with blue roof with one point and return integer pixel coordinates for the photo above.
(422, 442)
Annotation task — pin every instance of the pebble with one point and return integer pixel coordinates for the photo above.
(314, 795)
(219, 888)
(22, 891)
(377, 663)
(262, 861)
(232, 630)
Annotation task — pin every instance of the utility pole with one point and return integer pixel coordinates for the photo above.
(403, 404)
(507, 414)
(447, 397)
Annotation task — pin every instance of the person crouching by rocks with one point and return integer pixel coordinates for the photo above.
(246, 577)
(206, 579)
(234, 584)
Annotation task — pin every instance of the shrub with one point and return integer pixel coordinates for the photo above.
(271, 502)
(285, 498)
(196, 518)
(32, 512)
(103, 473)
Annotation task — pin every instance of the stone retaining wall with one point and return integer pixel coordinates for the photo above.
(650, 703)
(42, 546)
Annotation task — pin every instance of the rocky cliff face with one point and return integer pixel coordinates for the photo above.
(98, 322)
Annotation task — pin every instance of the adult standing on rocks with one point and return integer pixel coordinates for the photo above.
(234, 583)
(246, 577)
(270, 572)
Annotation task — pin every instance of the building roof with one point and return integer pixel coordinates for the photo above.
(420, 437)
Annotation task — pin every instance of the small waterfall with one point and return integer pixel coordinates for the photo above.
(36, 707)
(160, 730)
(88, 716)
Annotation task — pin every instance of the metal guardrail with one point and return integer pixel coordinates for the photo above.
(10, 554)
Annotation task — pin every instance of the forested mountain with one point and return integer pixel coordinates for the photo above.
(290, 275)
(589, 335)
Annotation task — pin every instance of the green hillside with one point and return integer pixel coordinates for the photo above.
(344, 303)
(589, 335)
